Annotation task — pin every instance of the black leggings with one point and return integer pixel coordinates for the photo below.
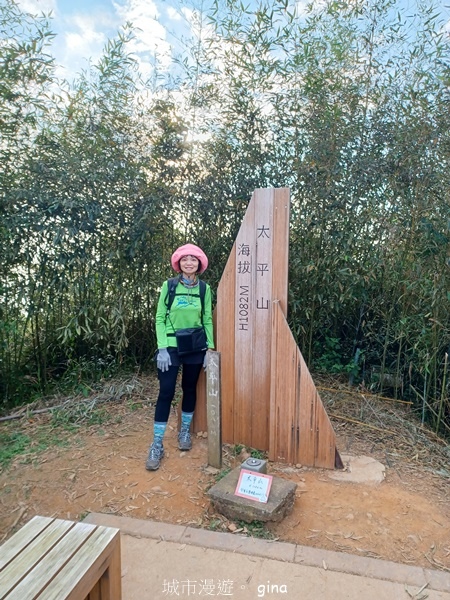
(167, 383)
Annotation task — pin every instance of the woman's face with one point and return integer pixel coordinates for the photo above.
(189, 265)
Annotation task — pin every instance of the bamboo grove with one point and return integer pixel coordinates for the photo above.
(346, 103)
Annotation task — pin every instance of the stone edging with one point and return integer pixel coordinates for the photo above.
(282, 551)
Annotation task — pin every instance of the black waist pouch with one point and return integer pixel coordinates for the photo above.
(192, 339)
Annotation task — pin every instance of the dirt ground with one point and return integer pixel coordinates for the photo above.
(100, 468)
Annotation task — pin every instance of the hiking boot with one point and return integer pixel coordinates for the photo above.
(184, 440)
(155, 454)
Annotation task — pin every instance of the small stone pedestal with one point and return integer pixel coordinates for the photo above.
(280, 503)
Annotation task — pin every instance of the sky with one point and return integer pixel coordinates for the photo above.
(83, 27)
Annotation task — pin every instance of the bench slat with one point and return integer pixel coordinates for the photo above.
(32, 555)
(53, 559)
(50, 564)
(77, 578)
(14, 546)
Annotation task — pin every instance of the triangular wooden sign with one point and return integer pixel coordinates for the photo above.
(269, 400)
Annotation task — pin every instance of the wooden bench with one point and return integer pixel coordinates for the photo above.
(53, 559)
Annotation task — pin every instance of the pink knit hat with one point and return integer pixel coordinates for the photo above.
(193, 251)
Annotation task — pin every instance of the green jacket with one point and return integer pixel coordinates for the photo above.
(185, 312)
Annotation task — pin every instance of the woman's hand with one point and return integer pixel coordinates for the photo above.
(163, 361)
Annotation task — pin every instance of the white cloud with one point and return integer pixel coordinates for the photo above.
(142, 13)
(81, 37)
(150, 35)
(188, 13)
(173, 14)
(37, 7)
(84, 39)
(83, 27)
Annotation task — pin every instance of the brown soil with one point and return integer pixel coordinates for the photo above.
(404, 519)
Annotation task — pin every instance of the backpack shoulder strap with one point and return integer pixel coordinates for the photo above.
(202, 294)
(171, 287)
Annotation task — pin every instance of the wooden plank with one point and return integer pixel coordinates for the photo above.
(325, 438)
(300, 430)
(62, 560)
(262, 318)
(95, 593)
(25, 564)
(289, 378)
(77, 577)
(214, 411)
(296, 409)
(281, 401)
(225, 342)
(199, 422)
(307, 407)
(269, 400)
(111, 580)
(283, 388)
(26, 534)
(280, 277)
(244, 309)
(274, 386)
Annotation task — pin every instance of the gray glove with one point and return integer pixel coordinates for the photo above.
(163, 361)
(206, 361)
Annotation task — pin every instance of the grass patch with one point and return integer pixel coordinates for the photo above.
(215, 525)
(73, 417)
(237, 449)
(258, 454)
(15, 443)
(221, 474)
(12, 445)
(256, 529)
(254, 452)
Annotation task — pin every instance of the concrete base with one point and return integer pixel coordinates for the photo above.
(280, 503)
(359, 469)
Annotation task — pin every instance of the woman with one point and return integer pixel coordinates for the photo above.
(185, 312)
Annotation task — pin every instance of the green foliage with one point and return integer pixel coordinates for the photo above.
(215, 524)
(11, 445)
(330, 358)
(221, 474)
(89, 230)
(237, 449)
(254, 453)
(73, 417)
(258, 454)
(81, 374)
(14, 443)
(345, 103)
(257, 529)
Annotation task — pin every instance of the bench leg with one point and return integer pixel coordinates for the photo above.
(94, 594)
(109, 586)
(111, 580)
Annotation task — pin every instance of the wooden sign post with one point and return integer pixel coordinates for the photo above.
(213, 411)
(269, 400)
